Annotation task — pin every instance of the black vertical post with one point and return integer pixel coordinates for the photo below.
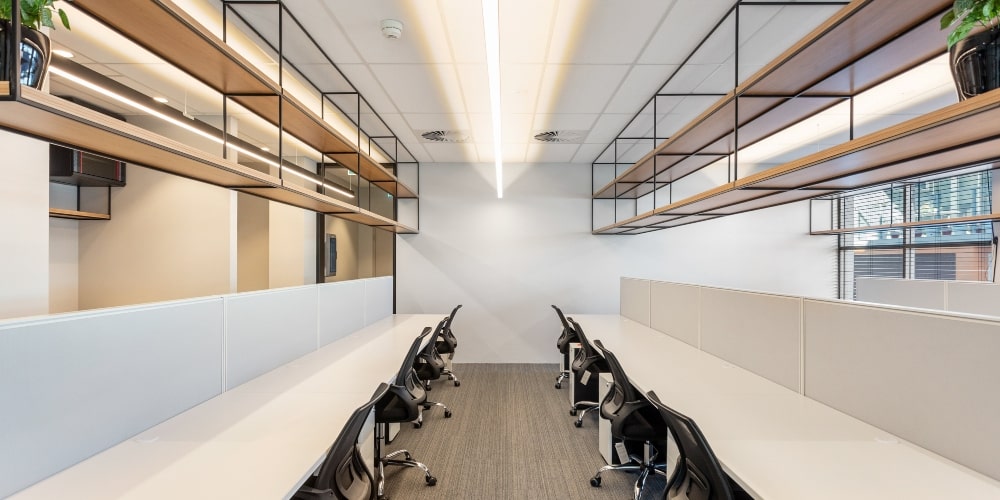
(736, 98)
(14, 50)
(281, 92)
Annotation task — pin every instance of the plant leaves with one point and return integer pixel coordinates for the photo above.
(64, 18)
(947, 19)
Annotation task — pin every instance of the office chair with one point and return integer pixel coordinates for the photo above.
(447, 345)
(567, 337)
(429, 366)
(400, 403)
(588, 362)
(343, 474)
(633, 420)
(698, 474)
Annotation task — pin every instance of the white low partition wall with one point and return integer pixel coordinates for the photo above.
(972, 297)
(927, 376)
(635, 299)
(72, 385)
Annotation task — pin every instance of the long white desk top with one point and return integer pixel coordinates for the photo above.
(777, 443)
(259, 440)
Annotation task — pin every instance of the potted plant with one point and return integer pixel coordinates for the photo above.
(974, 44)
(34, 44)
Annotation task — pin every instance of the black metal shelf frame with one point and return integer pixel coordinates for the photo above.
(651, 106)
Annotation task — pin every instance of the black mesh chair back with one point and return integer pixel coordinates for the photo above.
(343, 474)
(587, 358)
(447, 343)
(698, 475)
(568, 334)
(632, 416)
(429, 364)
(402, 401)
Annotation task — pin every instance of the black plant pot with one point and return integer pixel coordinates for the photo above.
(975, 64)
(34, 55)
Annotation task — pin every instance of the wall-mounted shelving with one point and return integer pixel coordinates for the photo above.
(167, 31)
(866, 43)
(903, 225)
(62, 213)
(51, 118)
(960, 135)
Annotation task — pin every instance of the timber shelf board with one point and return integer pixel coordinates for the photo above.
(62, 213)
(963, 133)
(959, 135)
(866, 43)
(922, 223)
(167, 31)
(395, 188)
(297, 121)
(56, 120)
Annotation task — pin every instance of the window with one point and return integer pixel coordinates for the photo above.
(897, 247)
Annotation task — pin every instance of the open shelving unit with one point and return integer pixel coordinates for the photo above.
(62, 213)
(868, 42)
(167, 31)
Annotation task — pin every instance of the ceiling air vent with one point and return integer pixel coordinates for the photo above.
(561, 136)
(445, 136)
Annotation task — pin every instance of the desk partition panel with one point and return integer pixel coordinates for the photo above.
(929, 378)
(973, 298)
(925, 294)
(635, 299)
(267, 329)
(72, 385)
(378, 299)
(756, 331)
(674, 310)
(341, 310)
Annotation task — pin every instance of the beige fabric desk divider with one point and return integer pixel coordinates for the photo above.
(927, 376)
(971, 297)
(930, 378)
(635, 299)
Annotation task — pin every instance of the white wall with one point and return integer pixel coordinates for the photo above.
(168, 238)
(24, 227)
(507, 260)
(292, 251)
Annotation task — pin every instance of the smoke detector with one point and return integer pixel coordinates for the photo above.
(392, 29)
(561, 136)
(445, 136)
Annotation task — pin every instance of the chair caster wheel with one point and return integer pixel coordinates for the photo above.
(427, 407)
(595, 481)
(558, 385)
(578, 423)
(457, 383)
(573, 412)
(431, 480)
(417, 425)
(427, 386)
(447, 414)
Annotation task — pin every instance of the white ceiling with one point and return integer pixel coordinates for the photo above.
(579, 65)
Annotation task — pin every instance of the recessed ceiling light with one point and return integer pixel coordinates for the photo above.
(491, 26)
(63, 53)
(164, 100)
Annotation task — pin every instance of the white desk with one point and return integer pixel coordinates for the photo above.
(259, 440)
(776, 443)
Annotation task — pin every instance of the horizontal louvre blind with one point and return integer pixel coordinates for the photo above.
(939, 250)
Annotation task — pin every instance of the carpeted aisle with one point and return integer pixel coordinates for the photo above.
(511, 437)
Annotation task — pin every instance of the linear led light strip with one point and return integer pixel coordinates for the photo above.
(145, 109)
(491, 25)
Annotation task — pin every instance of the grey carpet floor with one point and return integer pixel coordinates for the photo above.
(510, 437)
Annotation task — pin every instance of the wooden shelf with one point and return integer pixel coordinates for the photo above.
(167, 31)
(902, 225)
(57, 120)
(61, 213)
(866, 43)
(961, 135)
